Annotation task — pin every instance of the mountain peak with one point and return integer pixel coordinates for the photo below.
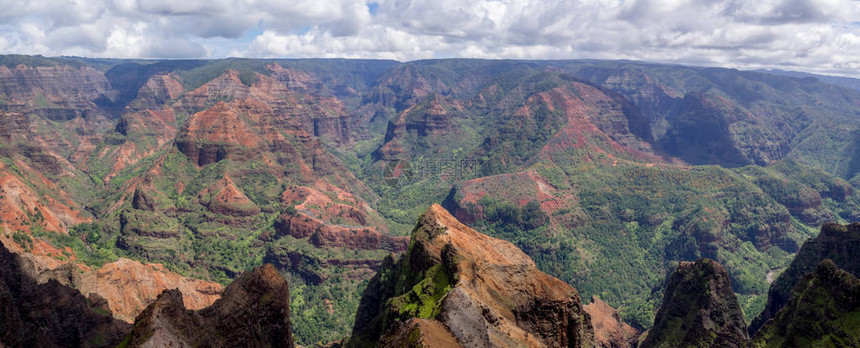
(437, 228)
(699, 309)
(256, 284)
(484, 291)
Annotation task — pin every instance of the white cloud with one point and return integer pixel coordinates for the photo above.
(124, 43)
(811, 35)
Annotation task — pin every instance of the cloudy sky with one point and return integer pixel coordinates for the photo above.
(809, 35)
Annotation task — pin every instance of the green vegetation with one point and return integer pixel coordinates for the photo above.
(23, 239)
(87, 241)
(424, 299)
(317, 311)
(656, 216)
(323, 297)
(208, 70)
(13, 60)
(822, 312)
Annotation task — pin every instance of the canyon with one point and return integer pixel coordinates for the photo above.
(127, 178)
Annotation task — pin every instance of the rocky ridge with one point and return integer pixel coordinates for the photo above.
(254, 312)
(838, 243)
(483, 291)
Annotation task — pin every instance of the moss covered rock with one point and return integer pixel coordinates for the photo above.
(823, 310)
(699, 310)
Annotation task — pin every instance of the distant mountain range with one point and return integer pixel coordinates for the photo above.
(846, 82)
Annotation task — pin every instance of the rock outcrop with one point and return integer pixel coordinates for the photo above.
(609, 330)
(332, 217)
(156, 92)
(456, 283)
(321, 234)
(129, 286)
(821, 311)
(699, 309)
(50, 314)
(253, 312)
(838, 243)
(223, 197)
